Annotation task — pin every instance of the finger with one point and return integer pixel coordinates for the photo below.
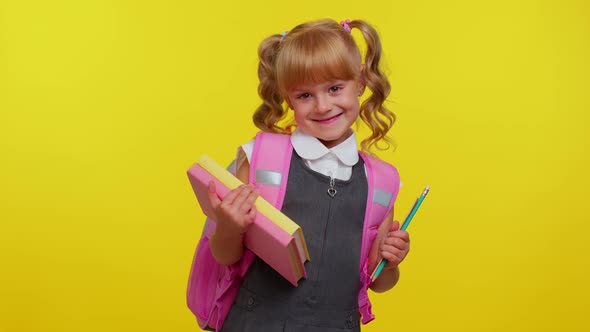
(399, 253)
(251, 215)
(213, 198)
(248, 203)
(405, 236)
(392, 259)
(394, 226)
(232, 195)
(242, 195)
(397, 243)
(389, 247)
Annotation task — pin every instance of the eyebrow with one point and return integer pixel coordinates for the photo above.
(327, 85)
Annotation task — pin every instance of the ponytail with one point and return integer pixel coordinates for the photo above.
(271, 111)
(372, 110)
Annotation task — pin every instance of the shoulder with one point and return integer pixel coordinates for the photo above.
(375, 164)
(382, 174)
(246, 150)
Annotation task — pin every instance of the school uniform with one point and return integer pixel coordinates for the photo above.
(327, 300)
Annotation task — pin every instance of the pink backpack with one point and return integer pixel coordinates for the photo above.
(212, 287)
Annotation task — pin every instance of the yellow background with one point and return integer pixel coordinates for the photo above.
(105, 104)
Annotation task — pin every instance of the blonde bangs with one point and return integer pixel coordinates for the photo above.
(317, 57)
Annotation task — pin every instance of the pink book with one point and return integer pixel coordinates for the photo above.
(273, 237)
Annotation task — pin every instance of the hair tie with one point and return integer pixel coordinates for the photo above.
(345, 25)
(283, 34)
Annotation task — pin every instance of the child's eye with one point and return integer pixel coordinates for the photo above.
(335, 88)
(304, 96)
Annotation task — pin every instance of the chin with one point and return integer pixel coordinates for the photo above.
(331, 141)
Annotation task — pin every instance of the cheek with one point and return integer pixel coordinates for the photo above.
(352, 100)
(299, 116)
(354, 106)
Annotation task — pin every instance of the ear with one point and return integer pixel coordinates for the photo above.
(361, 89)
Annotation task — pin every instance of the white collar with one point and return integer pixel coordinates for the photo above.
(310, 148)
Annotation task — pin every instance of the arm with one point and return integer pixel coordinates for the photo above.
(393, 245)
(233, 216)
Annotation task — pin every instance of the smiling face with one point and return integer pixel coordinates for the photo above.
(326, 110)
(318, 72)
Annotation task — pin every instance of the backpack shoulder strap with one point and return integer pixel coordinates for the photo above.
(383, 187)
(269, 166)
(269, 169)
(212, 287)
(383, 182)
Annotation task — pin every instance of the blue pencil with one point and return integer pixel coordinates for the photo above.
(405, 225)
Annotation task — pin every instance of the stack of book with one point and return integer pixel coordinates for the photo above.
(273, 237)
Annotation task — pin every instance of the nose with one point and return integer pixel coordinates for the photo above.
(323, 104)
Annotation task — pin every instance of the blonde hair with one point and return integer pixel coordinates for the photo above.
(318, 51)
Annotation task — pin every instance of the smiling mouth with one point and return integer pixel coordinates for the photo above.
(328, 120)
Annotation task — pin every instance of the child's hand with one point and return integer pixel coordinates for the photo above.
(395, 246)
(236, 212)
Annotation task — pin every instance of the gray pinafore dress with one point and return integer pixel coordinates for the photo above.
(327, 300)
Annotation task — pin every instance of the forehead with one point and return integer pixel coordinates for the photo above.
(316, 74)
(308, 59)
(315, 86)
